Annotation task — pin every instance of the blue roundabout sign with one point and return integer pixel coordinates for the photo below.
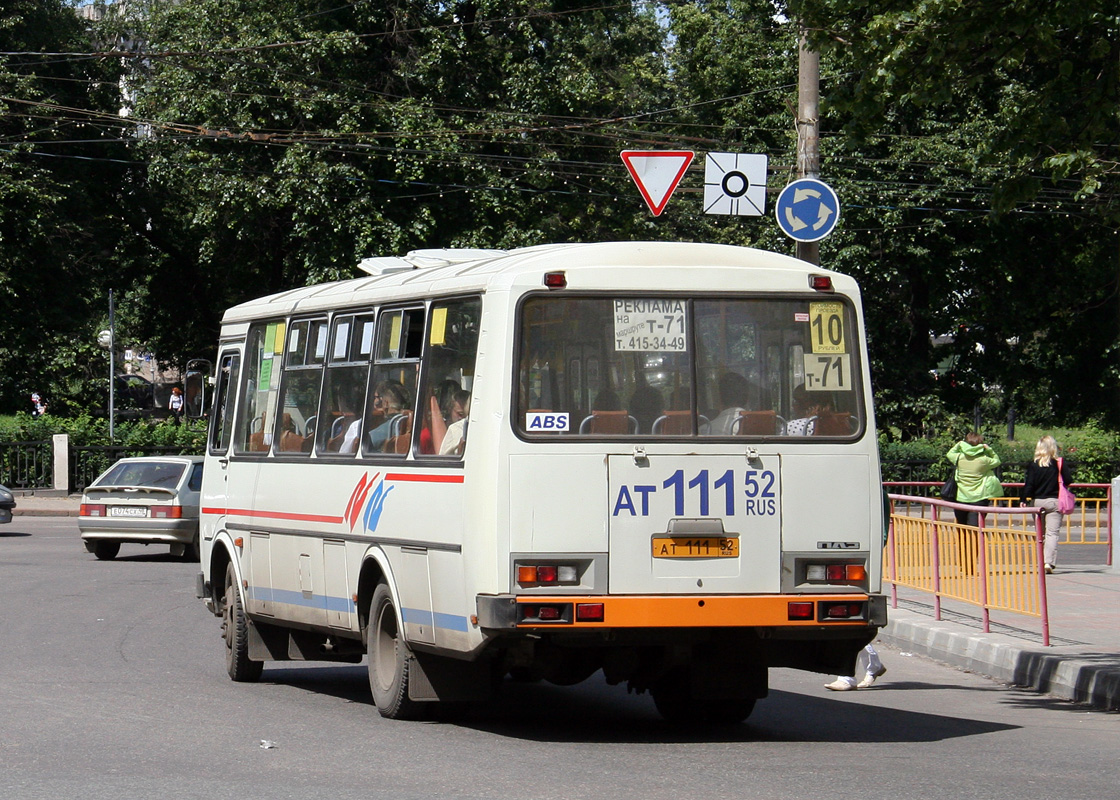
(807, 210)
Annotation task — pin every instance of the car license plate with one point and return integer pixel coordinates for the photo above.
(695, 547)
(128, 511)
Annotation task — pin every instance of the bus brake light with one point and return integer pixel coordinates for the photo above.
(799, 610)
(555, 280)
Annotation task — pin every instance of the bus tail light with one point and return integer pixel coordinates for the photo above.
(92, 510)
(589, 612)
(529, 613)
(835, 573)
(547, 574)
(800, 610)
(843, 611)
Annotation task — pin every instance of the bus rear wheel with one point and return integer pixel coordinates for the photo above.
(235, 631)
(389, 659)
(677, 704)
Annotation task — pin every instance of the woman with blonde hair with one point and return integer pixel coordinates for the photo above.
(1040, 488)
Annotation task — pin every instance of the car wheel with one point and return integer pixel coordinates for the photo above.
(235, 631)
(191, 553)
(106, 551)
(389, 658)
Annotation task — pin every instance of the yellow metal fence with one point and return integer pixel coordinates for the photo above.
(996, 566)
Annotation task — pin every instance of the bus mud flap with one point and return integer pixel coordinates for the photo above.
(433, 678)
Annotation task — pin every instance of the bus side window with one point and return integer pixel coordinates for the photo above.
(391, 398)
(449, 363)
(259, 388)
(303, 376)
(339, 421)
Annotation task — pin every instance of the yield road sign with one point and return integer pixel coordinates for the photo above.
(807, 210)
(735, 183)
(657, 173)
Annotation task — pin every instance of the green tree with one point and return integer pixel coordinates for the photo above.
(61, 166)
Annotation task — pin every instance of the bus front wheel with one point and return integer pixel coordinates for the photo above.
(389, 659)
(235, 631)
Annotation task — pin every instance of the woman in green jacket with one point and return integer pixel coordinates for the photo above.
(977, 483)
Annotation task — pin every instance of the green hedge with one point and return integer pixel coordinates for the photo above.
(1093, 454)
(84, 430)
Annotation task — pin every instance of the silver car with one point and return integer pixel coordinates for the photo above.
(7, 503)
(151, 500)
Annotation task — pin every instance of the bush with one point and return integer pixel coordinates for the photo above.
(85, 430)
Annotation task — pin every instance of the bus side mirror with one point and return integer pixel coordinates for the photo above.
(197, 378)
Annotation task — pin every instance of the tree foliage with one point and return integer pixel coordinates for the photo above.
(268, 145)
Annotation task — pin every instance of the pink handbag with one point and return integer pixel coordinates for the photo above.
(1067, 502)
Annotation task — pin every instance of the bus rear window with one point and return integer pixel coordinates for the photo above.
(687, 367)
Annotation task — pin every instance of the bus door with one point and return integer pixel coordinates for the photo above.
(681, 524)
(254, 431)
(215, 486)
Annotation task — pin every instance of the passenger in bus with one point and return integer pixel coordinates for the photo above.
(456, 439)
(387, 400)
(734, 390)
(438, 415)
(805, 411)
(646, 404)
(391, 399)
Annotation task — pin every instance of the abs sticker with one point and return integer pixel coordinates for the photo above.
(546, 422)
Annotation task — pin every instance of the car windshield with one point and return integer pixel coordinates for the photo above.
(154, 474)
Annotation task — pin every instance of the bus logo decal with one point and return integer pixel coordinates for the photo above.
(375, 505)
(358, 499)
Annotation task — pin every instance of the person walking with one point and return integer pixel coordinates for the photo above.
(175, 404)
(1040, 488)
(875, 670)
(977, 482)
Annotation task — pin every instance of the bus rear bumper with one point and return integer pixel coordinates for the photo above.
(789, 612)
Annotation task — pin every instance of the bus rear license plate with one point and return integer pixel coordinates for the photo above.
(695, 547)
(128, 511)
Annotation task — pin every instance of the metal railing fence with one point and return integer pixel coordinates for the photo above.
(26, 465)
(991, 565)
(89, 461)
(1090, 522)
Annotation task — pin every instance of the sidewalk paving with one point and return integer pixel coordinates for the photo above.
(1081, 665)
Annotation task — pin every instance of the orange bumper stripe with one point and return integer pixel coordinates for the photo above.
(696, 612)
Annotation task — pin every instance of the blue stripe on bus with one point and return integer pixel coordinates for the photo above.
(415, 616)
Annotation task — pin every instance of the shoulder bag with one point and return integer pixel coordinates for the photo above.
(949, 488)
(1067, 501)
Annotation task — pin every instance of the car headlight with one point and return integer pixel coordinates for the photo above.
(6, 496)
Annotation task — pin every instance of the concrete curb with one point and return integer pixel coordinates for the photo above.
(1092, 678)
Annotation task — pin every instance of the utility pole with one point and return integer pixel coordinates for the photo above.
(112, 366)
(808, 127)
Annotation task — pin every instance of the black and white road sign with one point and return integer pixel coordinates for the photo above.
(735, 184)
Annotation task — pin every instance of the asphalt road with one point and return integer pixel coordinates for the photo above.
(113, 686)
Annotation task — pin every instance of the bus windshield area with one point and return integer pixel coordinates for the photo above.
(664, 366)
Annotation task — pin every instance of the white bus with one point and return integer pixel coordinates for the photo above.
(657, 460)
